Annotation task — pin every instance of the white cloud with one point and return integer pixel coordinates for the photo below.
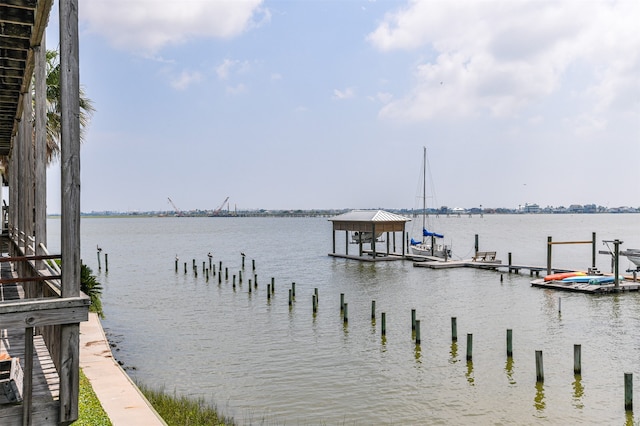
(347, 93)
(500, 57)
(238, 89)
(185, 79)
(148, 26)
(232, 66)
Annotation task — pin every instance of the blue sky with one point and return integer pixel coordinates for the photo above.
(327, 104)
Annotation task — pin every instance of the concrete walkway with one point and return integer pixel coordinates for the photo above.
(120, 397)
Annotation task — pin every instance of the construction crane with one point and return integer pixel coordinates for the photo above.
(178, 212)
(219, 209)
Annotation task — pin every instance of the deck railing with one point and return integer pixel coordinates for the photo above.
(42, 312)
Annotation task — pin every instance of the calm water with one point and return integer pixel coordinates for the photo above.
(262, 362)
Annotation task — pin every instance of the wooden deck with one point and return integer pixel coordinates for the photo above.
(46, 383)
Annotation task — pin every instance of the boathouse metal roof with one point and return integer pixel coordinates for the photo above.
(22, 24)
(366, 220)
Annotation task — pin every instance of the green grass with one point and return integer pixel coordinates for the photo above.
(90, 412)
(182, 411)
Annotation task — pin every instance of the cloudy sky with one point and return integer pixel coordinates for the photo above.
(327, 104)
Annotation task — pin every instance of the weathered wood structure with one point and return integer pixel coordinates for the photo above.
(367, 226)
(41, 306)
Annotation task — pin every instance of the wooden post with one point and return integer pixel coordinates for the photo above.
(341, 302)
(100, 266)
(273, 284)
(549, 255)
(290, 297)
(69, 361)
(454, 329)
(373, 309)
(293, 290)
(255, 280)
(243, 261)
(207, 275)
(185, 267)
(315, 291)
(577, 359)
(559, 305)
(268, 291)
(40, 88)
(413, 320)
(616, 277)
(204, 267)
(469, 347)
(226, 273)
(539, 367)
(477, 246)
(27, 390)
(417, 332)
(313, 303)
(509, 261)
(628, 391)
(234, 281)
(249, 286)
(593, 250)
(106, 262)
(240, 277)
(253, 264)
(383, 321)
(509, 343)
(346, 312)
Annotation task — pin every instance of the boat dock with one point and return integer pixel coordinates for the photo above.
(624, 285)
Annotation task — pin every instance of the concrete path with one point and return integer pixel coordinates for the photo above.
(121, 399)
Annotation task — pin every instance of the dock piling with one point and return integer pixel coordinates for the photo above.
(577, 359)
(418, 332)
(413, 320)
(509, 343)
(469, 347)
(628, 391)
(539, 367)
(454, 329)
(383, 321)
(345, 317)
(341, 302)
(373, 310)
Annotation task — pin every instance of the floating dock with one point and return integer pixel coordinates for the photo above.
(624, 285)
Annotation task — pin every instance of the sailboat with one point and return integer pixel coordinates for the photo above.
(431, 243)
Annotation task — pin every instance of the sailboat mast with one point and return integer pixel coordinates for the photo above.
(424, 187)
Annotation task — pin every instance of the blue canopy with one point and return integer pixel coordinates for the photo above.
(426, 233)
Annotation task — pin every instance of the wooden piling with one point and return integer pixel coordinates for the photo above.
(469, 347)
(242, 261)
(509, 343)
(204, 266)
(315, 291)
(559, 305)
(255, 280)
(341, 302)
(106, 262)
(454, 329)
(249, 286)
(628, 391)
(207, 275)
(293, 290)
(539, 367)
(345, 316)
(273, 284)
(99, 262)
(185, 267)
(234, 281)
(577, 359)
(373, 309)
(290, 298)
(383, 321)
(313, 303)
(253, 264)
(226, 273)
(413, 320)
(417, 332)
(268, 291)
(240, 277)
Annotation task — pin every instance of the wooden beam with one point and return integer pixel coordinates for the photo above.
(20, 320)
(29, 279)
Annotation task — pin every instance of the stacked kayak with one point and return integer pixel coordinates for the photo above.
(591, 279)
(563, 275)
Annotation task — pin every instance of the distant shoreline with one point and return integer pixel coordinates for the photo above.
(331, 213)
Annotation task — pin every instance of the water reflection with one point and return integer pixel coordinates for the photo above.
(417, 354)
(578, 391)
(629, 418)
(454, 353)
(539, 401)
(469, 373)
(508, 367)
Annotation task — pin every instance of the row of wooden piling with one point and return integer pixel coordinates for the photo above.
(415, 323)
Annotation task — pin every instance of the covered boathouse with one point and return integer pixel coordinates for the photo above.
(41, 305)
(368, 227)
